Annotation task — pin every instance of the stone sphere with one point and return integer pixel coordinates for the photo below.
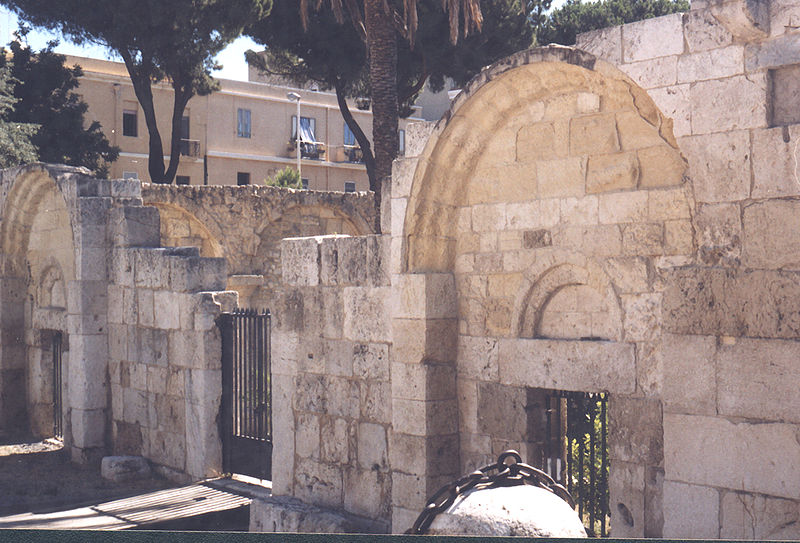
(522, 510)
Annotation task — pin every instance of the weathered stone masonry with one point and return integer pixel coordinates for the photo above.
(621, 222)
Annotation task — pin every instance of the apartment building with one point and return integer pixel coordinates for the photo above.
(241, 134)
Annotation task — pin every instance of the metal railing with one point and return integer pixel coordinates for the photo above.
(576, 452)
(58, 427)
(190, 148)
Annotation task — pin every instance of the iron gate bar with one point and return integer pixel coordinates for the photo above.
(58, 425)
(583, 434)
(246, 400)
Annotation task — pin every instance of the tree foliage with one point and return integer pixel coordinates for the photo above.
(16, 146)
(574, 17)
(43, 89)
(333, 53)
(174, 41)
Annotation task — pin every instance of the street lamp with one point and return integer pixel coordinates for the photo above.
(294, 97)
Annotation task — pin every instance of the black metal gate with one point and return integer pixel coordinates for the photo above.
(246, 393)
(576, 452)
(58, 427)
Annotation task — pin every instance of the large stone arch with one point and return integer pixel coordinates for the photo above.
(182, 228)
(552, 181)
(37, 240)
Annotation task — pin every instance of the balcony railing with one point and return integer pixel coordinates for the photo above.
(190, 148)
(347, 153)
(314, 151)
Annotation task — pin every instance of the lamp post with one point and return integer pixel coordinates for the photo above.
(294, 97)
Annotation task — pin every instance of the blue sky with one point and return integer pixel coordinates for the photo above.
(232, 58)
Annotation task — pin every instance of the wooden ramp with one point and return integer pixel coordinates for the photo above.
(137, 511)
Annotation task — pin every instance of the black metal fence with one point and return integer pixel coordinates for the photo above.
(58, 427)
(246, 393)
(576, 452)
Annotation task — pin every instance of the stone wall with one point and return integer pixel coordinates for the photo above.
(141, 361)
(246, 224)
(724, 72)
(332, 415)
(165, 358)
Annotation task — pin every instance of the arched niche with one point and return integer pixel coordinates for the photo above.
(37, 241)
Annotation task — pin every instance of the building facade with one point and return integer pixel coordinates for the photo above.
(242, 134)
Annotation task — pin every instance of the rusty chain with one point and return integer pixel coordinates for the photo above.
(507, 471)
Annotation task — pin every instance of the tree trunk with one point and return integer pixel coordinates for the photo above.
(140, 77)
(382, 50)
(181, 96)
(362, 139)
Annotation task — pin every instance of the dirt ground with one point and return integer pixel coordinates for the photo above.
(38, 476)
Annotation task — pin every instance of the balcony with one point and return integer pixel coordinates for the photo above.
(312, 150)
(348, 153)
(190, 148)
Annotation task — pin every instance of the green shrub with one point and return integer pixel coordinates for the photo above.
(287, 177)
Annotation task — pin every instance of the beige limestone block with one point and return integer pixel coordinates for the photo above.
(653, 38)
(758, 379)
(403, 169)
(668, 204)
(712, 64)
(502, 183)
(499, 314)
(753, 516)
(364, 493)
(691, 454)
(626, 491)
(488, 218)
(509, 240)
(376, 402)
(660, 166)
(776, 162)
(579, 211)
(545, 140)
(467, 395)
(674, 102)
(690, 511)
(409, 417)
(318, 484)
(618, 171)
(506, 285)
(635, 430)
(534, 214)
(628, 274)
(567, 365)
(300, 261)
(408, 489)
(649, 368)
(623, 207)
(477, 358)
(719, 233)
(642, 316)
(593, 134)
(635, 132)
(734, 103)
(689, 368)
(371, 361)
(643, 239)
(657, 72)
(605, 43)
(719, 165)
(561, 177)
(678, 237)
(334, 442)
(771, 235)
(703, 32)
(417, 135)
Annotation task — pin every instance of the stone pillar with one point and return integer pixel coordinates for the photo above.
(87, 323)
(424, 448)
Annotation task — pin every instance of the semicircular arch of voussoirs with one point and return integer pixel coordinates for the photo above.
(203, 229)
(333, 219)
(512, 88)
(23, 203)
